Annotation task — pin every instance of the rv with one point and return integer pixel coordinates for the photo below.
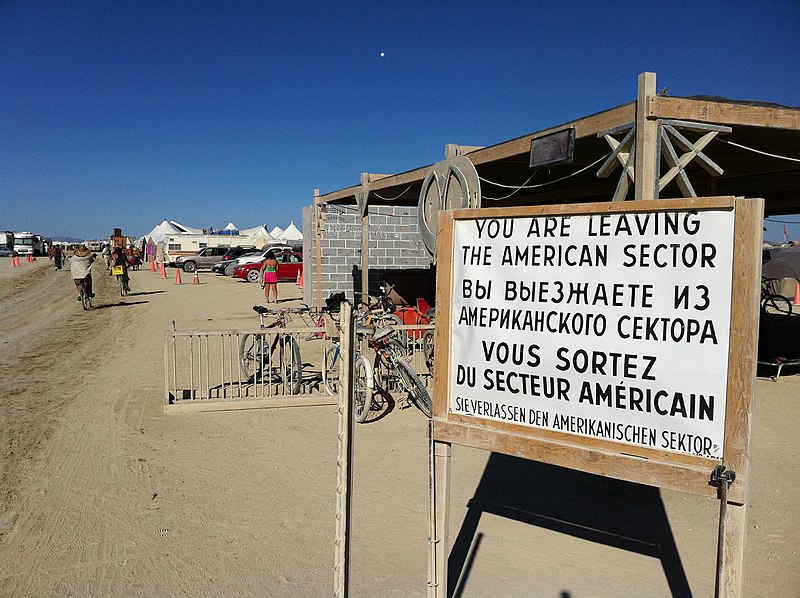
(27, 243)
(7, 239)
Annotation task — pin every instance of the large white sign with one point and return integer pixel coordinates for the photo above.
(609, 326)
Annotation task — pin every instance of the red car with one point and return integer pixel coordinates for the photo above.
(290, 264)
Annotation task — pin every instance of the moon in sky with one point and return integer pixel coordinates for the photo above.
(382, 54)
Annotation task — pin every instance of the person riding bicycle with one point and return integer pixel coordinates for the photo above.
(118, 258)
(81, 268)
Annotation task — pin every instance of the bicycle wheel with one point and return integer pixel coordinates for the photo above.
(330, 369)
(414, 387)
(776, 307)
(396, 349)
(362, 389)
(121, 286)
(427, 349)
(291, 365)
(86, 299)
(251, 352)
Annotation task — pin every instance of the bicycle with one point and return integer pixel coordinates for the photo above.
(773, 306)
(392, 370)
(257, 354)
(119, 272)
(363, 379)
(86, 296)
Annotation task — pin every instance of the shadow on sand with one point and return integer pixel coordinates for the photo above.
(603, 510)
(119, 304)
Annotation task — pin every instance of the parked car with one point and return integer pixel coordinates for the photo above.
(234, 252)
(225, 267)
(207, 257)
(219, 267)
(6, 252)
(290, 264)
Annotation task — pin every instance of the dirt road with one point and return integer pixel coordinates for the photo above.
(103, 494)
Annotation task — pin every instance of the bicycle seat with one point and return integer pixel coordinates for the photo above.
(261, 309)
(382, 333)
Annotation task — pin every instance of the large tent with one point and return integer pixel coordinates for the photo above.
(162, 231)
(292, 233)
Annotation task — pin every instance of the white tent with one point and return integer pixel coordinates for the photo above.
(231, 226)
(292, 233)
(259, 235)
(277, 232)
(161, 231)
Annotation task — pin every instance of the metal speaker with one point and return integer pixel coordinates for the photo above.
(451, 184)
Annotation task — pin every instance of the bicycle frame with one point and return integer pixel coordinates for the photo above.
(255, 354)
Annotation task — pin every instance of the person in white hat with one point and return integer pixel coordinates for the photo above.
(80, 266)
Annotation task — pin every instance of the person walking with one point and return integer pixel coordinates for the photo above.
(58, 256)
(269, 275)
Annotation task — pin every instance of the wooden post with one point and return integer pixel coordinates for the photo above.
(440, 520)
(344, 461)
(364, 208)
(318, 241)
(646, 167)
(731, 577)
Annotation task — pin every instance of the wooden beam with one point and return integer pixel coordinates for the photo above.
(723, 113)
(589, 126)
(348, 192)
(451, 150)
(318, 240)
(365, 238)
(646, 156)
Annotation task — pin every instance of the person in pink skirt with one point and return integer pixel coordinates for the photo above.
(269, 275)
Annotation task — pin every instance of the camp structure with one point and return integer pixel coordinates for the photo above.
(656, 146)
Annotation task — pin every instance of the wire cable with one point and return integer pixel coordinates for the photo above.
(393, 198)
(750, 149)
(539, 185)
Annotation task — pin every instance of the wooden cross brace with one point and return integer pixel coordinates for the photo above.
(668, 133)
(624, 153)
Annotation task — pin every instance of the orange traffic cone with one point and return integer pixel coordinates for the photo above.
(14, 262)
(178, 276)
(297, 282)
(163, 271)
(196, 278)
(797, 294)
(153, 266)
(300, 279)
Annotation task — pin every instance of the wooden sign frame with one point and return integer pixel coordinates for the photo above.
(660, 468)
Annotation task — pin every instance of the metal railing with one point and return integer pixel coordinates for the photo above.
(206, 366)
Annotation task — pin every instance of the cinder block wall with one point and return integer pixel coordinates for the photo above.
(394, 244)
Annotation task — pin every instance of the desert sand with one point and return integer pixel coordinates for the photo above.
(103, 494)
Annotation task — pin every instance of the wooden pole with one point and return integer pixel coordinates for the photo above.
(440, 516)
(363, 206)
(318, 241)
(645, 167)
(344, 461)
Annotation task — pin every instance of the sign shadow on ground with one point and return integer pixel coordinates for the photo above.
(582, 505)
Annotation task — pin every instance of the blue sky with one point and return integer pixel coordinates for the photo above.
(123, 113)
